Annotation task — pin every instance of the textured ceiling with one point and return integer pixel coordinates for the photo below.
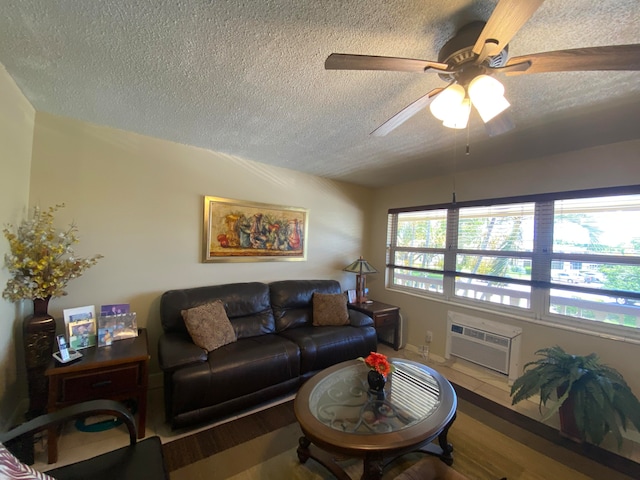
(247, 78)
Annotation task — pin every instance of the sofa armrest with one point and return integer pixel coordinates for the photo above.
(359, 319)
(79, 410)
(177, 350)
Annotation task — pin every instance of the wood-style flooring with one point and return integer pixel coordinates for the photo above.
(490, 442)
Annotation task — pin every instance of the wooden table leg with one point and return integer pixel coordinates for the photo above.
(52, 433)
(52, 445)
(373, 465)
(306, 451)
(447, 448)
(142, 401)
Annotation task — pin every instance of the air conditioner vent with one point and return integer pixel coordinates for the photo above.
(490, 344)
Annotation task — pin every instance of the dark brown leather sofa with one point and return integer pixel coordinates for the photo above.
(277, 348)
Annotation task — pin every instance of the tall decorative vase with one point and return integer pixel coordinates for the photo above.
(38, 334)
(376, 381)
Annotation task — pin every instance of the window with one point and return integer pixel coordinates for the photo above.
(495, 246)
(561, 256)
(420, 241)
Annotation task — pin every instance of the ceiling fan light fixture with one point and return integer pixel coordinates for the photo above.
(487, 95)
(458, 116)
(449, 99)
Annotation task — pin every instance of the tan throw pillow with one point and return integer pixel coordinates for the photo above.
(209, 325)
(330, 309)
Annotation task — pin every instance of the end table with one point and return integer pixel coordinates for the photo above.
(115, 372)
(385, 317)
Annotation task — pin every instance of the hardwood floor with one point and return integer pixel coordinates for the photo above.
(487, 447)
(484, 397)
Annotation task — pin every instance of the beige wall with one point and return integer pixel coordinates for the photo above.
(138, 201)
(604, 166)
(16, 134)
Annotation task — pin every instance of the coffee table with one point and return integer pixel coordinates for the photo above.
(339, 415)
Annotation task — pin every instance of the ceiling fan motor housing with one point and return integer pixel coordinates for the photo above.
(459, 51)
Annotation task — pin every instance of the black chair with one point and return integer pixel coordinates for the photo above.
(137, 460)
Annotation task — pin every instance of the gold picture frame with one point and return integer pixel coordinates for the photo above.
(242, 231)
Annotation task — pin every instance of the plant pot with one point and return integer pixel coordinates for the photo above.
(38, 335)
(568, 426)
(376, 381)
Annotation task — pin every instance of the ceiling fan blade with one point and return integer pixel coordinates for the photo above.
(405, 114)
(343, 61)
(500, 124)
(505, 21)
(612, 57)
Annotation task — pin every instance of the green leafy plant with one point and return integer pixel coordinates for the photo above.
(602, 400)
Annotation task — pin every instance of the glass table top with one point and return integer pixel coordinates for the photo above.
(344, 402)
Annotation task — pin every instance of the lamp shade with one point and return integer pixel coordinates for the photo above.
(458, 117)
(361, 267)
(487, 95)
(447, 100)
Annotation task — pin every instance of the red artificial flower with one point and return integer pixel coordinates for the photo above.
(379, 363)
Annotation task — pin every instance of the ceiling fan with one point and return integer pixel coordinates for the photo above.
(471, 59)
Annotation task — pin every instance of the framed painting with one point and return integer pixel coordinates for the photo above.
(241, 231)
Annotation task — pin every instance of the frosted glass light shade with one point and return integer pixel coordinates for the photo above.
(450, 98)
(458, 117)
(487, 95)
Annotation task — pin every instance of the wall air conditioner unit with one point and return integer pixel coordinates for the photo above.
(483, 342)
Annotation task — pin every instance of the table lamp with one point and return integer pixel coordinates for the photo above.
(361, 267)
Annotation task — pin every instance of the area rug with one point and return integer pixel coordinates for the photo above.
(486, 447)
(271, 457)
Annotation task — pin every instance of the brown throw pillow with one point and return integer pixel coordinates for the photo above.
(330, 309)
(209, 325)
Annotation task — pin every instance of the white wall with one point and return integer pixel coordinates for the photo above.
(16, 134)
(603, 166)
(138, 201)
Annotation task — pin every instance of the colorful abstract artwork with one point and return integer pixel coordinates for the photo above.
(236, 230)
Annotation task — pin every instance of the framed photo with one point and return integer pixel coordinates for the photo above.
(241, 231)
(116, 309)
(116, 327)
(351, 294)
(80, 325)
(106, 327)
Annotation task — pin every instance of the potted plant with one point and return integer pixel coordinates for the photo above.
(600, 399)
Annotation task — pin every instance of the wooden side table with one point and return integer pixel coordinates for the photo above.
(384, 316)
(115, 372)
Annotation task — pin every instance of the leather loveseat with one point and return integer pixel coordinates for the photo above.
(277, 347)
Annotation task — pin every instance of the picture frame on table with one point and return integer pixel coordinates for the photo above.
(80, 325)
(351, 295)
(106, 328)
(243, 231)
(114, 309)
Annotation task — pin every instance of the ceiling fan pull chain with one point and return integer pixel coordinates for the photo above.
(455, 155)
(468, 128)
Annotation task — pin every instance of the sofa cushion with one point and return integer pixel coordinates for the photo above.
(322, 347)
(209, 325)
(236, 370)
(291, 301)
(330, 309)
(11, 467)
(247, 306)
